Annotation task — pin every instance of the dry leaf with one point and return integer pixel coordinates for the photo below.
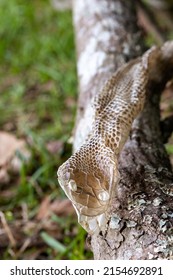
(59, 207)
(62, 207)
(9, 144)
(4, 177)
(54, 146)
(44, 209)
(166, 104)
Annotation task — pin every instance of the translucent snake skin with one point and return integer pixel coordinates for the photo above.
(90, 176)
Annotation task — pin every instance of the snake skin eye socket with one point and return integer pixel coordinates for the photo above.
(72, 185)
(104, 196)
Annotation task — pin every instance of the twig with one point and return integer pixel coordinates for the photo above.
(7, 229)
(149, 22)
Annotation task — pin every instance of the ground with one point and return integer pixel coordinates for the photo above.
(38, 91)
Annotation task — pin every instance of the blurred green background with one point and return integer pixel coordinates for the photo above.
(38, 92)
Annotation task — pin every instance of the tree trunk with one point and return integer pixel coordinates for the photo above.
(141, 224)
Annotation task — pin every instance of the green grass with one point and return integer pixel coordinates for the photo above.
(169, 148)
(38, 87)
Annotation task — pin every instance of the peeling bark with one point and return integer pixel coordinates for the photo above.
(141, 226)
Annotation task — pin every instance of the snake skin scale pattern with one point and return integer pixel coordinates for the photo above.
(90, 176)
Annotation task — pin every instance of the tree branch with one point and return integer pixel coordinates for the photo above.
(140, 226)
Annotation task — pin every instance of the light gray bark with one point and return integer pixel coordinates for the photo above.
(105, 39)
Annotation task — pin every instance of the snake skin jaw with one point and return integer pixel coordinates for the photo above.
(99, 223)
(91, 195)
(94, 225)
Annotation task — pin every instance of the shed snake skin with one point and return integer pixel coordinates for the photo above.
(90, 176)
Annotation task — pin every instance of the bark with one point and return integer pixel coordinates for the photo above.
(141, 224)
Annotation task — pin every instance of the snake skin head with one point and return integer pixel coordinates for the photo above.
(89, 186)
